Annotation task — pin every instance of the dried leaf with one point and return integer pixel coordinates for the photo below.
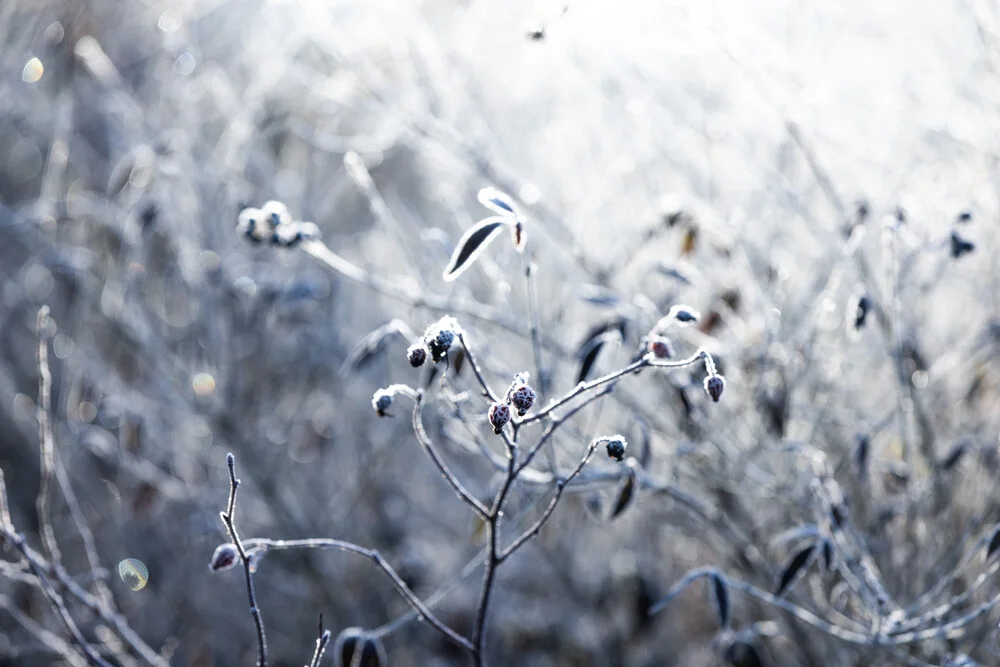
(597, 337)
(472, 244)
(721, 593)
(690, 241)
(954, 456)
(788, 576)
(625, 494)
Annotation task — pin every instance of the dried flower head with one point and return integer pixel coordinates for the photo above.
(276, 213)
(416, 354)
(499, 415)
(225, 557)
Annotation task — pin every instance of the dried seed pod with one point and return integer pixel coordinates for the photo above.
(522, 397)
(714, 386)
(354, 640)
(416, 354)
(499, 415)
(225, 557)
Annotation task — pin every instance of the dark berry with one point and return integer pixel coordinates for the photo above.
(714, 384)
(417, 355)
(522, 397)
(661, 347)
(499, 415)
(224, 557)
(616, 447)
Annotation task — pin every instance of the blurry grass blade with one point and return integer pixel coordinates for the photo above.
(625, 495)
(690, 241)
(720, 590)
(790, 573)
(600, 296)
(643, 440)
(497, 201)
(828, 554)
(472, 244)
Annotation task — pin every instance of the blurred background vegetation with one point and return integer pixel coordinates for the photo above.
(765, 162)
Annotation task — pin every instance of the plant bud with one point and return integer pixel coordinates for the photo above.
(276, 213)
(416, 354)
(225, 557)
(714, 385)
(439, 337)
(499, 415)
(616, 446)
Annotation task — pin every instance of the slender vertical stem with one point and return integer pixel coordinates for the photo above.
(45, 442)
(535, 326)
(228, 519)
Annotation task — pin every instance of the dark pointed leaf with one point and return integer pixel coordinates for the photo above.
(625, 494)
(720, 590)
(994, 544)
(828, 554)
(457, 360)
(954, 456)
(597, 337)
(792, 569)
(472, 244)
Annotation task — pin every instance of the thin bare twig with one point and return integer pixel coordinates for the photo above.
(262, 544)
(228, 519)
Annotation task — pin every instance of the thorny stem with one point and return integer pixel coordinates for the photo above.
(46, 445)
(535, 323)
(228, 519)
(636, 366)
(263, 545)
(487, 389)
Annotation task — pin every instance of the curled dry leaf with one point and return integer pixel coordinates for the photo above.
(720, 590)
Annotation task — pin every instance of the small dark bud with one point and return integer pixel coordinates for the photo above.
(616, 447)
(518, 234)
(276, 213)
(862, 210)
(900, 214)
(225, 557)
(960, 246)
(684, 314)
(964, 217)
(382, 401)
(862, 309)
(661, 347)
(714, 385)
(416, 355)
(521, 396)
(499, 415)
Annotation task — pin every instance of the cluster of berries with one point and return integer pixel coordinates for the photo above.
(272, 223)
(436, 342)
(520, 396)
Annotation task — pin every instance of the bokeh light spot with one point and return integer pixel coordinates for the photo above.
(134, 573)
(203, 384)
(33, 71)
